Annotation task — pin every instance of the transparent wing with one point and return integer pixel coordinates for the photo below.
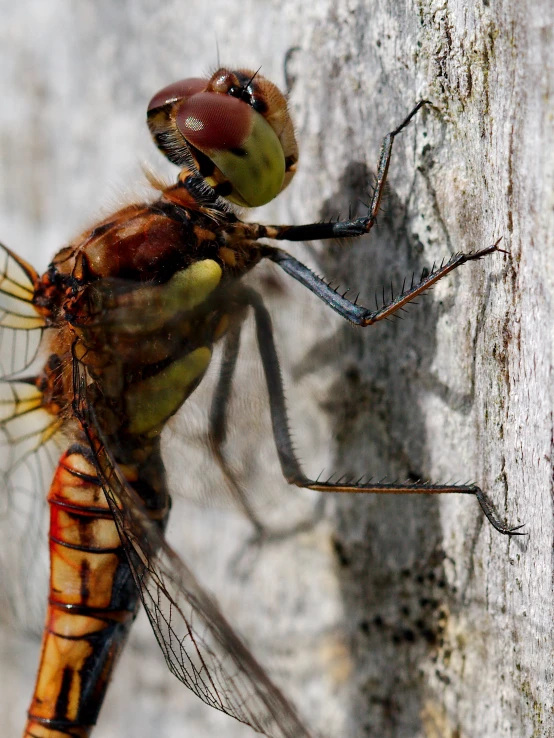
(199, 646)
(250, 479)
(20, 323)
(29, 446)
(248, 416)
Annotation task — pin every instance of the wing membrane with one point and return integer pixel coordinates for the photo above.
(20, 323)
(29, 445)
(25, 425)
(198, 644)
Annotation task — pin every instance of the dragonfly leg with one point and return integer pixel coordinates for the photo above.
(290, 78)
(349, 228)
(358, 314)
(287, 457)
(218, 424)
(220, 400)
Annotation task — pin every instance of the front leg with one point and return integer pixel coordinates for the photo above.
(350, 228)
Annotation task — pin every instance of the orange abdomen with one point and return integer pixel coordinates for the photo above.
(93, 601)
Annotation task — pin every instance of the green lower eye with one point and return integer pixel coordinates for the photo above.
(257, 169)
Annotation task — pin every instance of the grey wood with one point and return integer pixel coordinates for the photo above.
(387, 617)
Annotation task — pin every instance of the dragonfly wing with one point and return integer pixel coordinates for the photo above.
(200, 647)
(20, 323)
(29, 447)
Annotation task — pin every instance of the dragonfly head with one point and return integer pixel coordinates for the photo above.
(235, 127)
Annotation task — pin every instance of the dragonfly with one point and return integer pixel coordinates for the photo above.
(124, 323)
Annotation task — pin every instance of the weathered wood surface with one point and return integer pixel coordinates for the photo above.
(388, 617)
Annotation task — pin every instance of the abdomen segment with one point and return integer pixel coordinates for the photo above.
(93, 601)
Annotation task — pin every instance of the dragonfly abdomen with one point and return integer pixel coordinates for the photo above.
(93, 601)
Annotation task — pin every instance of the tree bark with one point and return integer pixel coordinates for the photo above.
(390, 617)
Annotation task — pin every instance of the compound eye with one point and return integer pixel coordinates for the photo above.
(211, 121)
(180, 90)
(239, 141)
(241, 125)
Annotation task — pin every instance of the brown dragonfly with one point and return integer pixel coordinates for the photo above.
(127, 316)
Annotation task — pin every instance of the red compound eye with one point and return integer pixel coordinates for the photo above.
(180, 90)
(212, 121)
(245, 133)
